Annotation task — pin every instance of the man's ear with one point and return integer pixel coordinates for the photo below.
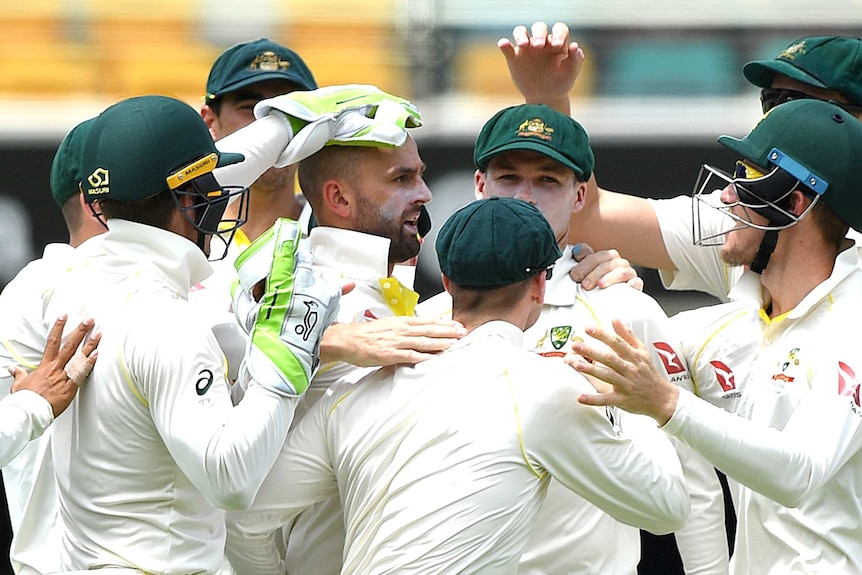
(537, 287)
(479, 183)
(337, 198)
(580, 196)
(799, 202)
(446, 283)
(210, 119)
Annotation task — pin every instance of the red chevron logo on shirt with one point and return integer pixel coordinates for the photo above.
(724, 375)
(848, 384)
(669, 357)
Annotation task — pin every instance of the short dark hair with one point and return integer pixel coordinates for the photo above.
(155, 211)
(479, 301)
(330, 162)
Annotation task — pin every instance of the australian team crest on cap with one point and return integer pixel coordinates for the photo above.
(794, 50)
(269, 62)
(535, 128)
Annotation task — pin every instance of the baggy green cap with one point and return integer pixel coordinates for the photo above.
(146, 145)
(540, 129)
(495, 242)
(816, 142)
(827, 62)
(66, 174)
(255, 61)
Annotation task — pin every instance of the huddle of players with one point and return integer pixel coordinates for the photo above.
(443, 464)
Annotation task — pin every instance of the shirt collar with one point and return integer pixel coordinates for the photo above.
(561, 290)
(180, 260)
(355, 255)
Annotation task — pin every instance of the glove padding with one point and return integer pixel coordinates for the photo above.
(353, 114)
(285, 327)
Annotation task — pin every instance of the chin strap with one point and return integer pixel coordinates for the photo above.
(767, 246)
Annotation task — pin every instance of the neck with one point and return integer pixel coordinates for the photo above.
(265, 208)
(521, 315)
(799, 264)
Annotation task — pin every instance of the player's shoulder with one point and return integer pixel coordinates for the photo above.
(544, 378)
(622, 300)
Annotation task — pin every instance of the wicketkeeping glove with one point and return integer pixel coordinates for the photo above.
(355, 113)
(285, 327)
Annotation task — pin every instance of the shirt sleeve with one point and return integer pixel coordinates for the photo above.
(697, 267)
(302, 475)
(702, 541)
(785, 465)
(24, 416)
(225, 451)
(261, 143)
(579, 447)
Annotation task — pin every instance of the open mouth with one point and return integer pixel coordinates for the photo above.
(412, 225)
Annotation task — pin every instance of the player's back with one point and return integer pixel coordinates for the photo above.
(442, 467)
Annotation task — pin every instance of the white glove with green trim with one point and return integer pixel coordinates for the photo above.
(285, 327)
(353, 114)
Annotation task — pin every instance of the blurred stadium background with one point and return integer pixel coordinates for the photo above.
(662, 79)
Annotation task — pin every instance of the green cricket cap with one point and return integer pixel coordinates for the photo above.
(540, 129)
(816, 142)
(828, 62)
(495, 242)
(255, 61)
(146, 145)
(66, 174)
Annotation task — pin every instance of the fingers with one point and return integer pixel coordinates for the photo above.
(580, 251)
(90, 344)
(55, 336)
(636, 282)
(74, 339)
(600, 269)
(539, 34)
(506, 48)
(559, 34)
(18, 373)
(520, 36)
(626, 333)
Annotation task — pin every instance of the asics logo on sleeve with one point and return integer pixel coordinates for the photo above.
(205, 380)
(669, 357)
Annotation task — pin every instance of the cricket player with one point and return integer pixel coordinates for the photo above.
(536, 154)
(435, 485)
(793, 444)
(29, 478)
(657, 233)
(152, 447)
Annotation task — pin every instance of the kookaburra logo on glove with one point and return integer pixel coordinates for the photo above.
(309, 321)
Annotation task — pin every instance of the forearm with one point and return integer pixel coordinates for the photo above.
(228, 458)
(626, 223)
(24, 416)
(261, 142)
(783, 465)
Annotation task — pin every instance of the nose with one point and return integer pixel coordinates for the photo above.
(729, 195)
(525, 193)
(424, 193)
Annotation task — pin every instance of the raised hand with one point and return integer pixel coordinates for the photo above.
(543, 65)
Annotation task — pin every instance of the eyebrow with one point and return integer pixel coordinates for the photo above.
(408, 169)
